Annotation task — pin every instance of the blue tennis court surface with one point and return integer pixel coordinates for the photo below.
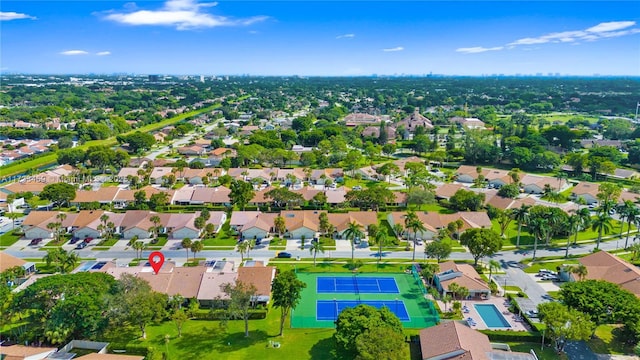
(356, 284)
(329, 309)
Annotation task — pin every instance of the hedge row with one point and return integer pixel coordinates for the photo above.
(512, 336)
(220, 315)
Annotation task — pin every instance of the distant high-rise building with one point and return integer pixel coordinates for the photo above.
(154, 78)
(201, 78)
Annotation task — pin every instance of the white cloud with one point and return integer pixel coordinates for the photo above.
(183, 14)
(346, 36)
(611, 26)
(478, 49)
(103, 53)
(74, 52)
(600, 31)
(10, 15)
(397, 48)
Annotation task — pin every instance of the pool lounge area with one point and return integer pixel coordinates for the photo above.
(486, 318)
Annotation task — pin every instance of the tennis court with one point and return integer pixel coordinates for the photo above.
(329, 309)
(327, 294)
(357, 284)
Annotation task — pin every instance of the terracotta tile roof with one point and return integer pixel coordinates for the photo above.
(447, 190)
(469, 277)
(34, 187)
(86, 218)
(103, 195)
(211, 283)
(8, 261)
(541, 181)
(399, 197)
(605, 266)
(297, 219)
(585, 187)
(39, 219)
(362, 218)
(239, 218)
(22, 352)
(307, 192)
(456, 339)
(222, 151)
(258, 276)
(336, 196)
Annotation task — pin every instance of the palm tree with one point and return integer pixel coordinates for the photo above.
(13, 216)
(381, 238)
(53, 256)
(633, 216)
(453, 289)
(415, 224)
(493, 264)
(580, 270)
(279, 225)
(521, 215)
(138, 246)
(601, 224)
(316, 246)
(573, 222)
(351, 233)
(69, 261)
(538, 227)
(242, 249)
(251, 243)
(585, 221)
(186, 244)
(196, 247)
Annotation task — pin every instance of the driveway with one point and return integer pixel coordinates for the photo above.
(578, 350)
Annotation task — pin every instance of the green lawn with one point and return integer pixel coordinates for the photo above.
(511, 234)
(605, 342)
(549, 265)
(547, 354)
(224, 237)
(9, 238)
(277, 243)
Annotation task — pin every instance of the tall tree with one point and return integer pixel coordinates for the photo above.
(241, 193)
(521, 215)
(315, 248)
(279, 225)
(481, 242)
(601, 224)
(186, 244)
(196, 247)
(287, 291)
(564, 324)
(439, 250)
(137, 304)
(356, 321)
(381, 239)
(241, 297)
(351, 233)
(631, 213)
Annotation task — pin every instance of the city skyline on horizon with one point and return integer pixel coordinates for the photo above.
(319, 39)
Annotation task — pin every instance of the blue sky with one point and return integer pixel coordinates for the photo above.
(321, 38)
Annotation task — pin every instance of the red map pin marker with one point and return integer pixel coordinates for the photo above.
(156, 259)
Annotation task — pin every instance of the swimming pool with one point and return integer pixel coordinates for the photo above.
(491, 316)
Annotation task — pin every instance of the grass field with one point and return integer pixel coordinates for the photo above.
(7, 239)
(605, 342)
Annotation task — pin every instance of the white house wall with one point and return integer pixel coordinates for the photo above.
(36, 232)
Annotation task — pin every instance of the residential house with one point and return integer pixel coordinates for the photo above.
(336, 196)
(136, 223)
(625, 174)
(468, 123)
(602, 265)
(35, 224)
(586, 191)
(456, 341)
(193, 150)
(10, 351)
(104, 195)
(374, 131)
(301, 223)
(261, 277)
(493, 199)
(535, 184)
(252, 224)
(85, 223)
(9, 261)
(341, 221)
(495, 177)
(447, 190)
(463, 275)
(435, 221)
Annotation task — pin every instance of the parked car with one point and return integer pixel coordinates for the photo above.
(88, 240)
(74, 240)
(81, 245)
(258, 241)
(284, 255)
(357, 187)
(35, 241)
(532, 313)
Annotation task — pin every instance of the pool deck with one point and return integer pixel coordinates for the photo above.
(499, 302)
